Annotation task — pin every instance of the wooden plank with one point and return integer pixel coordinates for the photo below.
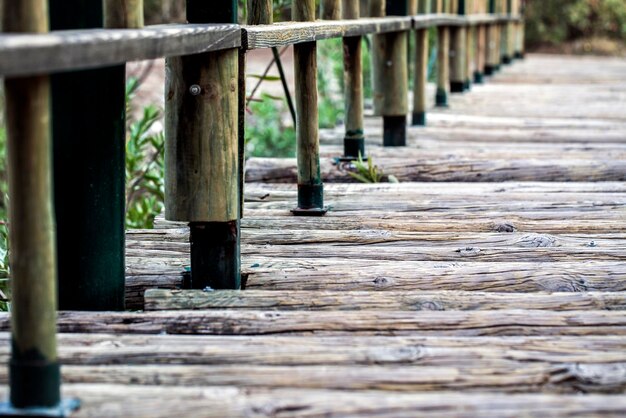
(161, 299)
(288, 33)
(109, 349)
(167, 401)
(178, 240)
(29, 54)
(480, 376)
(549, 169)
(451, 323)
(271, 273)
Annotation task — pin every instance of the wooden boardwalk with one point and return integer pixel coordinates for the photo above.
(499, 290)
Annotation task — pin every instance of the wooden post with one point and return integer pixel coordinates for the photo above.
(464, 9)
(395, 81)
(330, 9)
(123, 14)
(507, 34)
(34, 368)
(260, 12)
(458, 44)
(443, 62)
(421, 70)
(88, 130)
(480, 54)
(377, 9)
(354, 140)
(202, 152)
(492, 44)
(310, 187)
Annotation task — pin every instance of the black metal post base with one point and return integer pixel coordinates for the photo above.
(506, 60)
(353, 147)
(489, 70)
(457, 86)
(441, 98)
(62, 409)
(479, 78)
(467, 86)
(310, 200)
(519, 55)
(394, 131)
(215, 255)
(419, 119)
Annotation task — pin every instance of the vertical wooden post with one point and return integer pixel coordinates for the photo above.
(123, 14)
(493, 46)
(260, 12)
(89, 172)
(480, 53)
(310, 187)
(395, 80)
(507, 33)
(443, 62)
(330, 9)
(458, 44)
(202, 152)
(421, 70)
(470, 31)
(354, 140)
(34, 368)
(377, 9)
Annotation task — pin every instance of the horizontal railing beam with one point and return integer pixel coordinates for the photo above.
(32, 54)
(289, 33)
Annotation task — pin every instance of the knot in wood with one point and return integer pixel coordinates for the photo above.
(382, 281)
(537, 241)
(468, 251)
(505, 227)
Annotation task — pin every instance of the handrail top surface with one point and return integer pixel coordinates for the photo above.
(25, 54)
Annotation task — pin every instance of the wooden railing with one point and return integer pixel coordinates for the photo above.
(80, 72)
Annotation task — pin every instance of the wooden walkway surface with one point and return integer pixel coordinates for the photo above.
(498, 291)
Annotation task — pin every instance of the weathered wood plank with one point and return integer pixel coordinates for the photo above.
(108, 349)
(29, 54)
(272, 170)
(487, 375)
(288, 33)
(284, 274)
(167, 401)
(451, 323)
(270, 273)
(161, 299)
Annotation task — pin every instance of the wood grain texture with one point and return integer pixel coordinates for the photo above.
(287, 33)
(123, 14)
(452, 323)
(31, 214)
(260, 12)
(162, 299)
(140, 401)
(201, 130)
(450, 169)
(421, 71)
(478, 377)
(105, 349)
(330, 9)
(30, 54)
(395, 82)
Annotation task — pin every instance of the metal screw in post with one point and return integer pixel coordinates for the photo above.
(195, 90)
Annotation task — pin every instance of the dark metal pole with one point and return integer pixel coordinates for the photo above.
(88, 112)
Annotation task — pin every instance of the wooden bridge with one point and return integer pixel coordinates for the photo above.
(490, 281)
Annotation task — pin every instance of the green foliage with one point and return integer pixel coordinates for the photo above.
(557, 21)
(144, 165)
(330, 82)
(4, 230)
(267, 133)
(369, 172)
